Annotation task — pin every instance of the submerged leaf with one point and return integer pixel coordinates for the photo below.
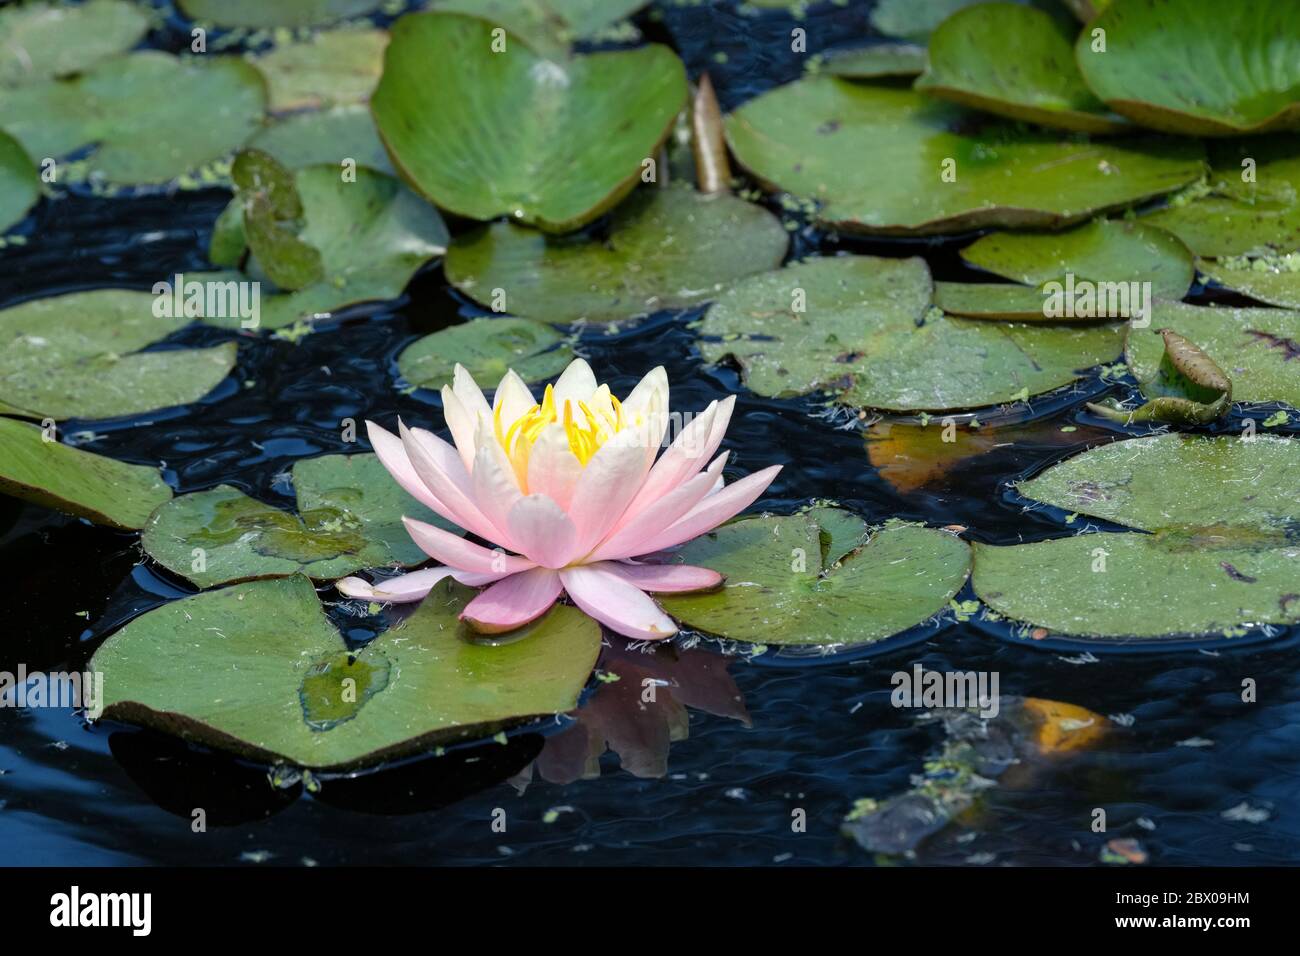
(257, 669)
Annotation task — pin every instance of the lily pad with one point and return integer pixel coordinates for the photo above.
(779, 591)
(372, 235)
(76, 482)
(1014, 61)
(1223, 555)
(914, 19)
(333, 68)
(44, 41)
(139, 111)
(259, 670)
(258, 14)
(321, 137)
(992, 300)
(487, 348)
(1153, 586)
(78, 356)
(554, 145)
(867, 334)
(349, 517)
(548, 26)
(1271, 279)
(1179, 481)
(19, 182)
(876, 61)
(1250, 203)
(1105, 250)
(1188, 388)
(1198, 67)
(888, 161)
(666, 249)
(1259, 349)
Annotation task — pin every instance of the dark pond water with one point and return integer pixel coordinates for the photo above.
(817, 733)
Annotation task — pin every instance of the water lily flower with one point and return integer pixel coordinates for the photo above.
(569, 491)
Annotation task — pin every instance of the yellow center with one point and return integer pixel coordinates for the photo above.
(585, 435)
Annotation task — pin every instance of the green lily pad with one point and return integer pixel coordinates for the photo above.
(487, 348)
(991, 300)
(1259, 349)
(1250, 203)
(868, 335)
(1014, 61)
(780, 592)
(20, 185)
(43, 41)
(554, 145)
(77, 356)
(258, 14)
(333, 68)
(876, 61)
(667, 249)
(1188, 388)
(349, 517)
(1179, 481)
(139, 110)
(828, 139)
(1198, 67)
(914, 19)
(548, 26)
(1223, 555)
(259, 670)
(1153, 586)
(1105, 250)
(76, 482)
(372, 235)
(1271, 279)
(325, 137)
(272, 216)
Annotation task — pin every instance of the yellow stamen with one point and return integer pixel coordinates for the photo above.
(586, 436)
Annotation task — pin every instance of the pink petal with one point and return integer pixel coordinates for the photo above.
(542, 530)
(685, 457)
(495, 488)
(399, 590)
(553, 468)
(576, 384)
(440, 468)
(630, 535)
(666, 578)
(392, 455)
(453, 550)
(512, 602)
(617, 604)
(714, 510)
(461, 424)
(606, 486)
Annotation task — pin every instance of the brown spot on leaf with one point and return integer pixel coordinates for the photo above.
(1237, 575)
(1290, 349)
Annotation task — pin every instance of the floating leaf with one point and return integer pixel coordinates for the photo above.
(862, 327)
(778, 591)
(1105, 250)
(77, 482)
(327, 69)
(258, 669)
(1258, 349)
(150, 115)
(1197, 67)
(992, 300)
(554, 144)
(325, 137)
(349, 517)
(258, 14)
(548, 26)
(19, 182)
(889, 161)
(1271, 279)
(666, 249)
(876, 61)
(1250, 203)
(487, 348)
(372, 236)
(77, 356)
(42, 41)
(1038, 82)
(1152, 586)
(1175, 480)
(1187, 389)
(914, 19)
